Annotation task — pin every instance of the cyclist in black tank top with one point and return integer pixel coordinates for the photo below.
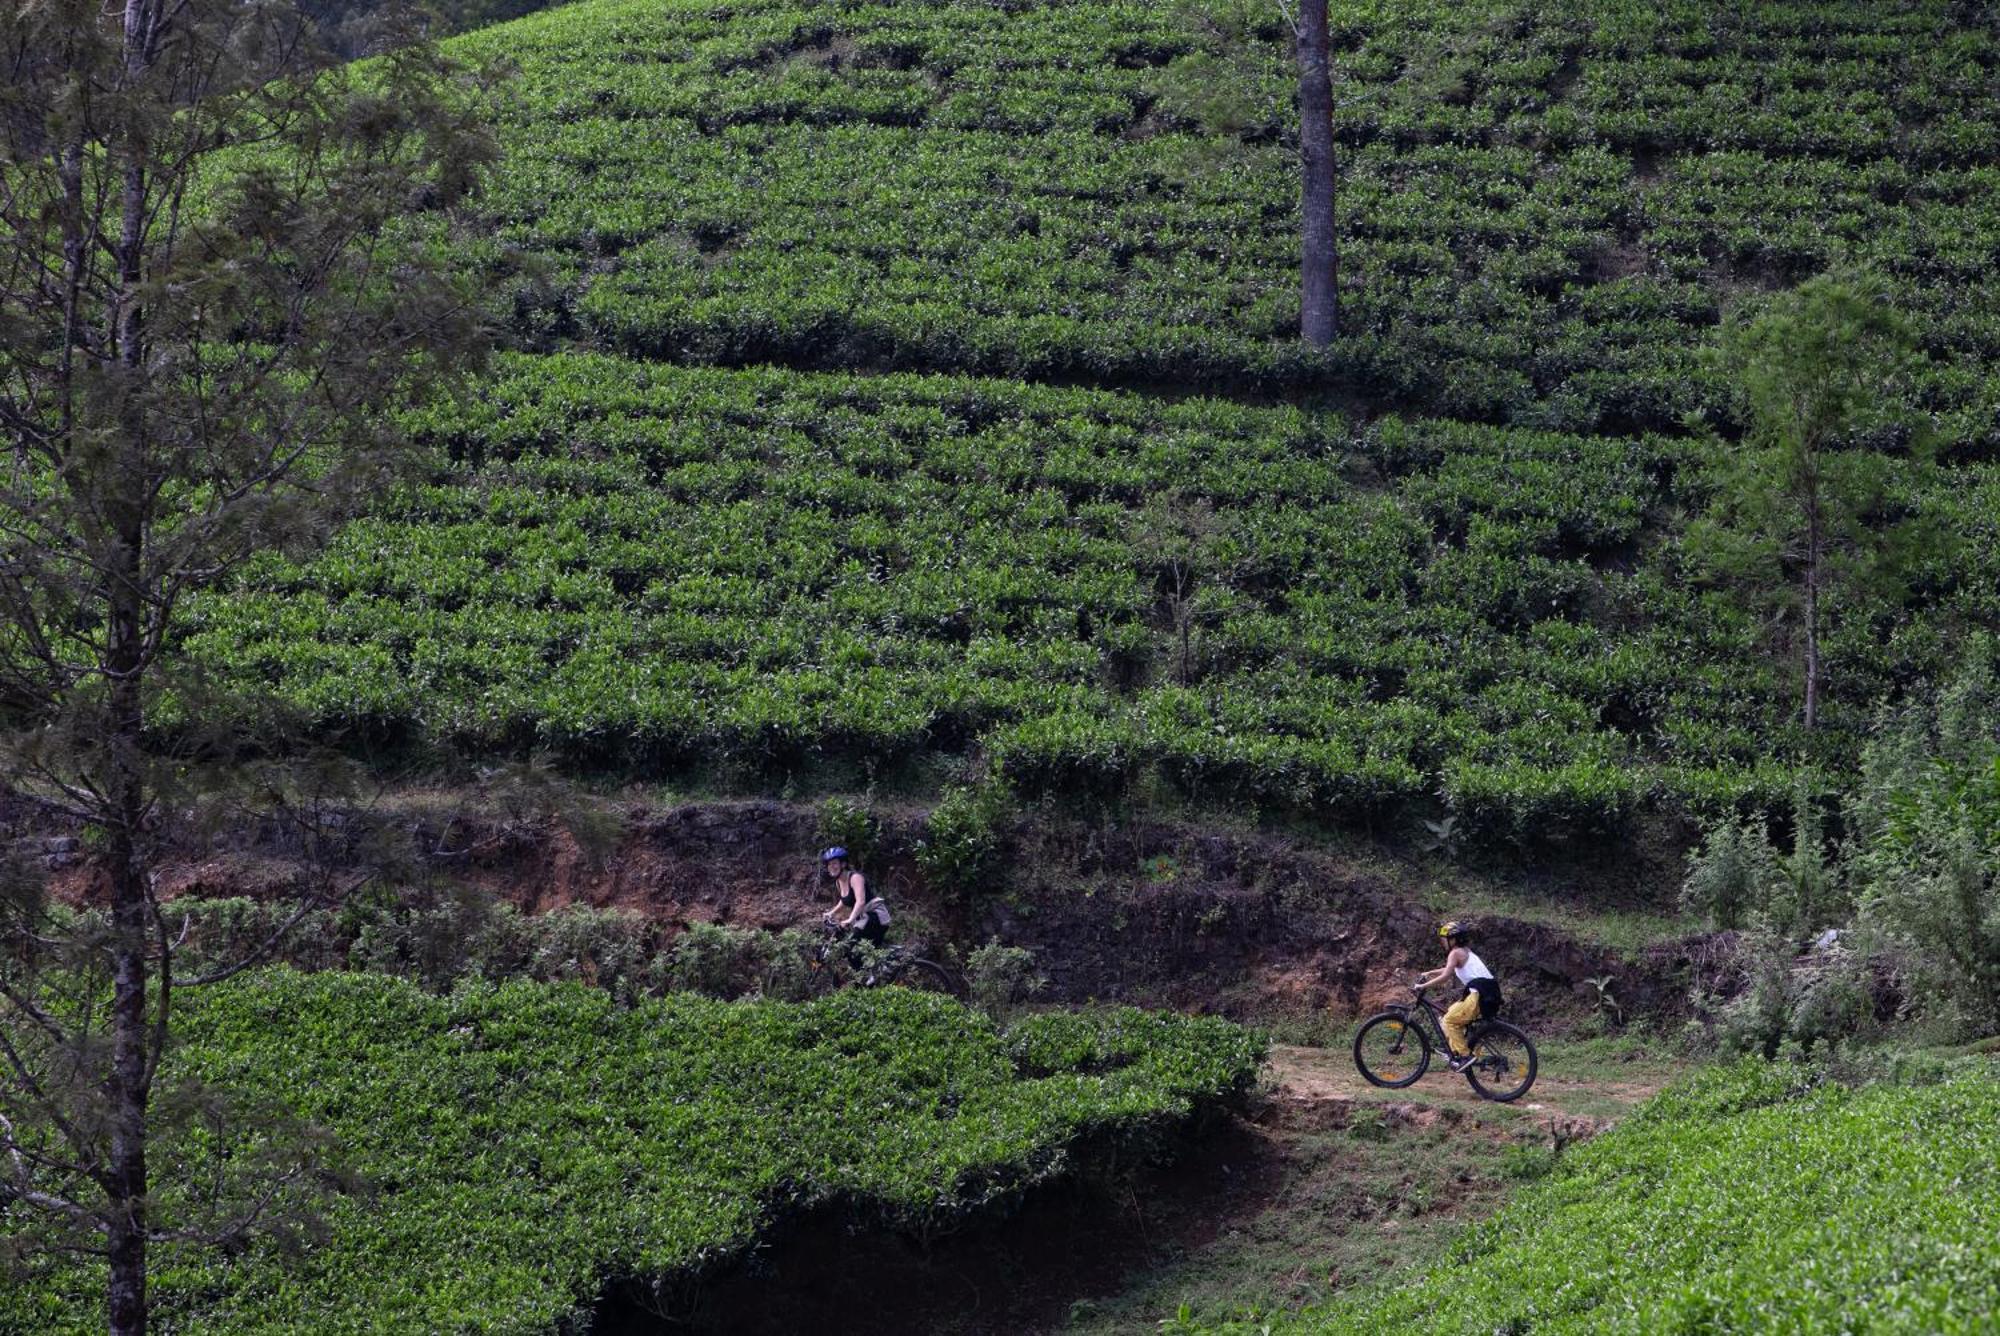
(858, 910)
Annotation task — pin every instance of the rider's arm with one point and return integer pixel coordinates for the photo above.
(1451, 962)
(859, 885)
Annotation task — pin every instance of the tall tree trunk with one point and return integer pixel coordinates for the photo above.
(125, 656)
(1812, 575)
(126, 1218)
(133, 1038)
(1319, 304)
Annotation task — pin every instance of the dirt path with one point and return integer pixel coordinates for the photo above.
(1586, 1100)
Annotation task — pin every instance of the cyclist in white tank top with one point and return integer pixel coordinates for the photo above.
(1482, 990)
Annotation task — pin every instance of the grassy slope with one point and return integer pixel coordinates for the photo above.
(521, 1146)
(1544, 209)
(1735, 1202)
(1365, 1182)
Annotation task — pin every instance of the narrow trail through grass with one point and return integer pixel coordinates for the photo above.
(1330, 1183)
(1593, 1081)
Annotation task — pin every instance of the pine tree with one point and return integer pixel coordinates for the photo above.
(212, 281)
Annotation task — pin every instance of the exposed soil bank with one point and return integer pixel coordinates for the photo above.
(1245, 923)
(1017, 1273)
(1321, 1183)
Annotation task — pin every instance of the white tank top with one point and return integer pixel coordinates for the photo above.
(1473, 968)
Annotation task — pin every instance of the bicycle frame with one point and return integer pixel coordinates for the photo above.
(1422, 1002)
(891, 961)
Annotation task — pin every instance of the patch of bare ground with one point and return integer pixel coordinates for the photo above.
(1571, 1105)
(1251, 924)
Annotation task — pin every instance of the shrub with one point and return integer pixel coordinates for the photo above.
(1001, 979)
(1737, 877)
(849, 825)
(439, 936)
(1729, 873)
(1775, 999)
(788, 974)
(718, 960)
(1926, 850)
(965, 837)
(613, 949)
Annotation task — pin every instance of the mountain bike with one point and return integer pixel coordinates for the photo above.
(841, 960)
(1393, 1049)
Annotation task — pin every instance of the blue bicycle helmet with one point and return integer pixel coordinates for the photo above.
(829, 854)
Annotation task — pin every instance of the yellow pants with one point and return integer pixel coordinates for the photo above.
(1457, 1017)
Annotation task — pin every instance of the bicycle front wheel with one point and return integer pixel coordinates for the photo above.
(1391, 1051)
(1503, 1062)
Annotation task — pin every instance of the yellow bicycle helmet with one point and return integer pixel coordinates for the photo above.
(1451, 928)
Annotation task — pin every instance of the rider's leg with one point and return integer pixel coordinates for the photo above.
(1457, 1018)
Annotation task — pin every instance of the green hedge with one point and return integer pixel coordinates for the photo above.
(649, 568)
(521, 1146)
(1542, 209)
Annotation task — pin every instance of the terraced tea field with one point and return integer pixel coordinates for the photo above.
(495, 1159)
(1479, 602)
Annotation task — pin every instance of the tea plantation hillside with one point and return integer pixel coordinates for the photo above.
(1482, 597)
(504, 1153)
(1542, 205)
(1746, 1200)
(645, 566)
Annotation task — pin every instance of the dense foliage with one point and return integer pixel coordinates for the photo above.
(518, 1147)
(1542, 207)
(652, 567)
(1910, 886)
(647, 566)
(1748, 1199)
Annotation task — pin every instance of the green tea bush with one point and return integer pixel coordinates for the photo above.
(643, 571)
(630, 561)
(1542, 212)
(522, 1145)
(965, 838)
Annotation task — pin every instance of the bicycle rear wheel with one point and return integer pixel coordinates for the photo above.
(1391, 1050)
(930, 977)
(823, 977)
(1503, 1062)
